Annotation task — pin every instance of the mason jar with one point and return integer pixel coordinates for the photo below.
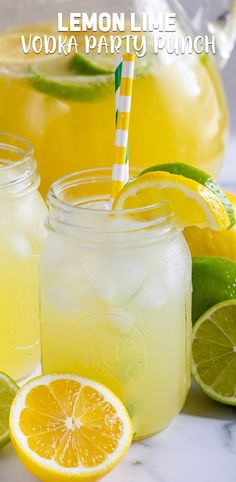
(116, 298)
(22, 234)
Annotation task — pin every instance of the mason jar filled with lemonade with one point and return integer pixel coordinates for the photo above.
(65, 104)
(22, 234)
(116, 299)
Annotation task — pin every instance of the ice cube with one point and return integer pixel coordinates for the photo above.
(20, 245)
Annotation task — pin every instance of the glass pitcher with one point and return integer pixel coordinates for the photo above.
(179, 112)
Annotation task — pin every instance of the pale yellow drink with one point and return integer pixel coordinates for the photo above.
(178, 114)
(22, 234)
(115, 305)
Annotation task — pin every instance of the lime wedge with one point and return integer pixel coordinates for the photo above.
(8, 389)
(214, 352)
(201, 177)
(56, 79)
(214, 281)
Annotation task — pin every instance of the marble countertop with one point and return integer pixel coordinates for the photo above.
(199, 446)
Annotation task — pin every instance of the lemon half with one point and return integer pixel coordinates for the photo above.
(65, 427)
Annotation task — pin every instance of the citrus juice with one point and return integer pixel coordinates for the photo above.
(115, 305)
(21, 237)
(178, 112)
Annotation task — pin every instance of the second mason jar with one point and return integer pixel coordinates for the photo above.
(22, 234)
(115, 299)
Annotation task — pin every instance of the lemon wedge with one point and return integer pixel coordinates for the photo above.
(193, 203)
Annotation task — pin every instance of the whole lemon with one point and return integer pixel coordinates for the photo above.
(206, 242)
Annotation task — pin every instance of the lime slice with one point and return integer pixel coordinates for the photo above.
(92, 64)
(8, 389)
(56, 79)
(104, 64)
(81, 78)
(214, 352)
(214, 280)
(201, 177)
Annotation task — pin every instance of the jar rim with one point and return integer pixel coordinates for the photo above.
(18, 167)
(63, 212)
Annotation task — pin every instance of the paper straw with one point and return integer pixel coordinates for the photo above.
(120, 172)
(118, 69)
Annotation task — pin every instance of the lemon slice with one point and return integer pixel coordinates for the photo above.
(205, 242)
(65, 427)
(193, 203)
(13, 60)
(201, 177)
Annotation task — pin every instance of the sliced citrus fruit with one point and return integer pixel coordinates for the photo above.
(65, 427)
(80, 78)
(92, 64)
(214, 352)
(12, 57)
(56, 79)
(205, 242)
(193, 203)
(8, 389)
(201, 177)
(104, 64)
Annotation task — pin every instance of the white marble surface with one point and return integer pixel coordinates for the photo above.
(199, 446)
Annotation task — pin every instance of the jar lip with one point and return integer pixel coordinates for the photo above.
(18, 167)
(54, 190)
(13, 142)
(62, 212)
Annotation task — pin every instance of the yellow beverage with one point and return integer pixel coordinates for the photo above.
(116, 303)
(178, 114)
(21, 237)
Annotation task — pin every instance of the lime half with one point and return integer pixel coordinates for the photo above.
(202, 178)
(8, 389)
(214, 352)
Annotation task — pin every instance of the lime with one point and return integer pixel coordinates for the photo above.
(81, 78)
(214, 280)
(8, 389)
(92, 64)
(199, 176)
(214, 352)
(56, 79)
